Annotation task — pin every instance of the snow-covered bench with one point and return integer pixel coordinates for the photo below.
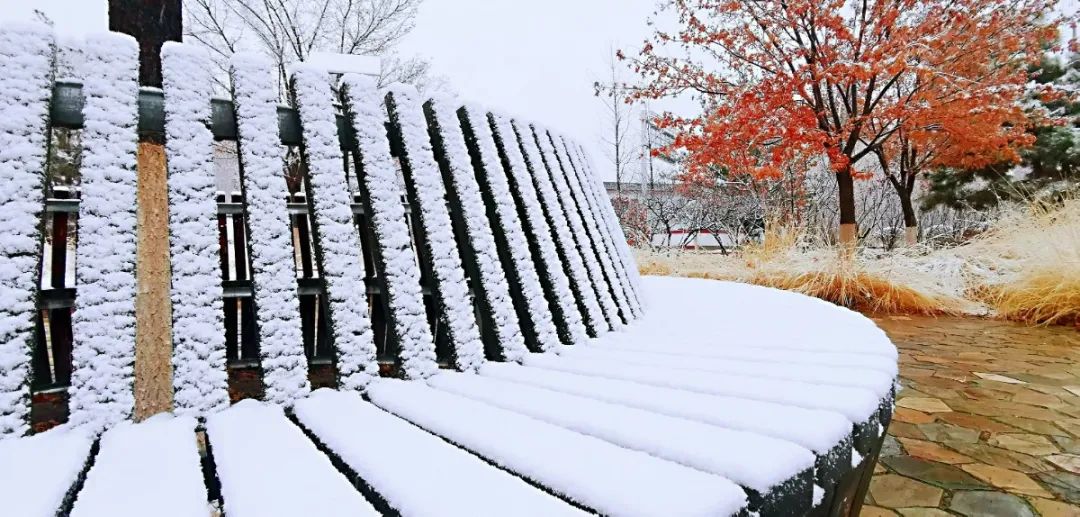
(572, 385)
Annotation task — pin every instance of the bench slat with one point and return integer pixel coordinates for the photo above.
(39, 472)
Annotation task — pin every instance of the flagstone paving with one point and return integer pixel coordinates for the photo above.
(987, 421)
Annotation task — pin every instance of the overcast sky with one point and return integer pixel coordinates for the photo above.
(532, 59)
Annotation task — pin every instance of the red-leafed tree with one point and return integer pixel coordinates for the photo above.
(795, 80)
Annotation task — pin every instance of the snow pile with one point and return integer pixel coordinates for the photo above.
(475, 123)
(200, 382)
(103, 323)
(591, 472)
(427, 192)
(560, 169)
(465, 191)
(612, 264)
(270, 235)
(417, 483)
(393, 247)
(268, 468)
(520, 174)
(594, 318)
(340, 257)
(754, 461)
(25, 89)
(154, 464)
(39, 471)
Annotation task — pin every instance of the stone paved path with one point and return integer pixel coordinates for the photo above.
(987, 422)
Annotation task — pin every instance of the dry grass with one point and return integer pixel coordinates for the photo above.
(1028, 270)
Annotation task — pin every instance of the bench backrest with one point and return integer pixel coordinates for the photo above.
(372, 231)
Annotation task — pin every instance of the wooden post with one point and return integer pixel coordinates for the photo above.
(151, 22)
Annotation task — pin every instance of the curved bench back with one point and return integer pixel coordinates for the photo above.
(374, 231)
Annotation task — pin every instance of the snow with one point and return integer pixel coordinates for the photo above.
(451, 481)
(579, 277)
(39, 470)
(612, 263)
(425, 180)
(103, 322)
(856, 458)
(819, 495)
(820, 430)
(606, 318)
(521, 174)
(591, 472)
(510, 224)
(268, 468)
(340, 259)
(465, 191)
(200, 381)
(25, 89)
(153, 464)
(752, 460)
(393, 247)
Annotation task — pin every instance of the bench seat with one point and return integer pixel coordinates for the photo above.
(40, 474)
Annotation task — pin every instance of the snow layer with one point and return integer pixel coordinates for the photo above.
(262, 159)
(103, 323)
(26, 53)
(612, 263)
(520, 172)
(470, 205)
(510, 224)
(820, 430)
(38, 471)
(596, 474)
(340, 254)
(434, 478)
(200, 382)
(268, 468)
(560, 223)
(752, 460)
(393, 246)
(425, 180)
(614, 226)
(154, 464)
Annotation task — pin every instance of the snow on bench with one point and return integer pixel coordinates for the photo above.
(268, 468)
(759, 463)
(39, 474)
(590, 472)
(420, 474)
(150, 467)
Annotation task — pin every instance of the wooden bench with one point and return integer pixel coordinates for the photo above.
(460, 273)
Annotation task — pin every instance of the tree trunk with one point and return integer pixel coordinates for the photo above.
(911, 223)
(846, 186)
(152, 23)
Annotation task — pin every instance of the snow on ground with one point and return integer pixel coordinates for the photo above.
(37, 471)
(26, 60)
(420, 474)
(752, 460)
(152, 466)
(268, 468)
(592, 472)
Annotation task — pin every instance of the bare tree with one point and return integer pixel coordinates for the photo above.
(619, 146)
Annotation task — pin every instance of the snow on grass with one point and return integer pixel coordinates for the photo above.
(268, 468)
(560, 223)
(154, 464)
(396, 261)
(262, 159)
(475, 125)
(591, 472)
(554, 168)
(38, 471)
(103, 322)
(520, 175)
(818, 431)
(340, 256)
(432, 478)
(465, 193)
(427, 192)
(754, 461)
(200, 382)
(26, 55)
